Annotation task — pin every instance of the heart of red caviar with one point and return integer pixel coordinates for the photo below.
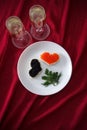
(49, 58)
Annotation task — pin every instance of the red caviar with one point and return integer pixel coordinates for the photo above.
(49, 58)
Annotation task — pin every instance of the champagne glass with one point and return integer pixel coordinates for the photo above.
(20, 37)
(39, 29)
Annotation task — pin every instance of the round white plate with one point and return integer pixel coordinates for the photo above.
(34, 85)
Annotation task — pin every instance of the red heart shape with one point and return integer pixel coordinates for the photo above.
(49, 58)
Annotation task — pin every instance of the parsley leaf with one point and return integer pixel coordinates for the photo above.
(51, 78)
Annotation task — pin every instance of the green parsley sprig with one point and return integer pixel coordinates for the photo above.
(51, 78)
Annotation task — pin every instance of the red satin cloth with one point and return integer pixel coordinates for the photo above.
(66, 110)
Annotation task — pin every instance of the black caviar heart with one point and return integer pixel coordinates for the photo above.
(36, 68)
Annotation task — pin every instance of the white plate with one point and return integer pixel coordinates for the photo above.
(34, 85)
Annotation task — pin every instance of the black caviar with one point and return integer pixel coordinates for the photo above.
(36, 68)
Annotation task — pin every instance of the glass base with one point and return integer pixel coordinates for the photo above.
(40, 33)
(22, 41)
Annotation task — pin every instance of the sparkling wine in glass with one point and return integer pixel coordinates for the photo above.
(20, 37)
(39, 29)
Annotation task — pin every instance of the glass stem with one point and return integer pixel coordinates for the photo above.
(39, 26)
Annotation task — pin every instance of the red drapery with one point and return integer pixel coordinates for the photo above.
(66, 110)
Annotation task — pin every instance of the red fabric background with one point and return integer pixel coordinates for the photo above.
(66, 110)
